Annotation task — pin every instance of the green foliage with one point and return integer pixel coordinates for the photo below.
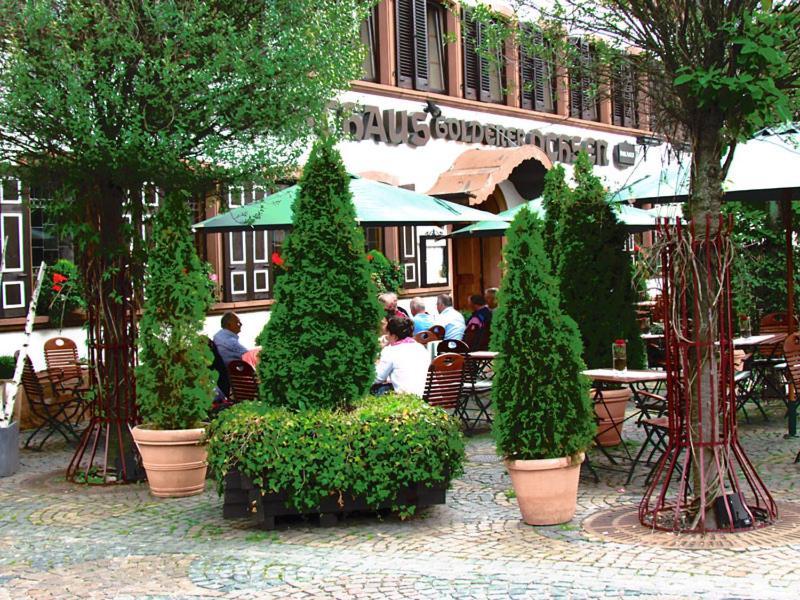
(758, 272)
(541, 401)
(174, 388)
(594, 272)
(387, 275)
(381, 446)
(7, 365)
(556, 194)
(320, 344)
(59, 296)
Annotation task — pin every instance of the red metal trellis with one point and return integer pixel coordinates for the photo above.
(704, 482)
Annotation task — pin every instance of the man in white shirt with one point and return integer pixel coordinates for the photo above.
(449, 318)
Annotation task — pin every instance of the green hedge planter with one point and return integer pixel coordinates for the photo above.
(394, 452)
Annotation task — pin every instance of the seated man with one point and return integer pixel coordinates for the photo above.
(481, 316)
(389, 301)
(422, 318)
(449, 318)
(227, 338)
(403, 364)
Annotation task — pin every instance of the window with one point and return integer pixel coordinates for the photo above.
(424, 257)
(420, 36)
(537, 76)
(582, 85)
(373, 238)
(484, 76)
(624, 97)
(369, 37)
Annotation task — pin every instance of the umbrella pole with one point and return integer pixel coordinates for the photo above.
(480, 247)
(786, 205)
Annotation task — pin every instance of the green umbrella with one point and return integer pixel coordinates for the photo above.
(634, 219)
(377, 204)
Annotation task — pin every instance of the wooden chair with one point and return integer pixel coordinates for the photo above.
(454, 346)
(791, 351)
(244, 385)
(218, 365)
(424, 337)
(438, 331)
(57, 412)
(445, 382)
(773, 323)
(769, 366)
(61, 357)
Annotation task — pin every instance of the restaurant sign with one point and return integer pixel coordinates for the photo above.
(397, 127)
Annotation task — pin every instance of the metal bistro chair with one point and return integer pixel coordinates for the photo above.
(791, 351)
(244, 385)
(768, 368)
(58, 412)
(445, 382)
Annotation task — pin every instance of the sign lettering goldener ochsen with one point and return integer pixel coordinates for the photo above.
(397, 127)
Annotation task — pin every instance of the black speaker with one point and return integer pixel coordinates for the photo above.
(738, 510)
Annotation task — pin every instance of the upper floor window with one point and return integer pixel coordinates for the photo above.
(484, 75)
(583, 102)
(420, 36)
(624, 96)
(369, 37)
(537, 76)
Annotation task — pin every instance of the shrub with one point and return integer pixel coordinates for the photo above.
(7, 366)
(174, 388)
(320, 344)
(62, 290)
(541, 401)
(380, 447)
(387, 275)
(594, 272)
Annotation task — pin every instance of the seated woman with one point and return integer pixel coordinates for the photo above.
(403, 364)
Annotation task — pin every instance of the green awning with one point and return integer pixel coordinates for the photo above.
(634, 220)
(377, 204)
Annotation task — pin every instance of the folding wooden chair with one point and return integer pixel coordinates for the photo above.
(424, 337)
(656, 432)
(445, 382)
(477, 337)
(477, 397)
(244, 385)
(769, 366)
(56, 413)
(438, 331)
(791, 351)
(454, 346)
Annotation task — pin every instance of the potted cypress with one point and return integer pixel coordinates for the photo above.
(174, 388)
(543, 416)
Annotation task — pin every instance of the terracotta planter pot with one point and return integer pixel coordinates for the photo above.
(547, 490)
(174, 460)
(613, 405)
(607, 434)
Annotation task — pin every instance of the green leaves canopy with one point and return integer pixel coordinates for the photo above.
(541, 400)
(320, 344)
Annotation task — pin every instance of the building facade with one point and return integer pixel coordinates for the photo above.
(430, 114)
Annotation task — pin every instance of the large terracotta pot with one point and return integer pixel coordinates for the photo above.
(547, 490)
(607, 433)
(609, 412)
(174, 460)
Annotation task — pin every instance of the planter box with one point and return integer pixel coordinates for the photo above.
(242, 499)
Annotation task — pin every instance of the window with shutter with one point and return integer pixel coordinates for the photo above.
(484, 77)
(369, 37)
(624, 97)
(537, 77)
(582, 95)
(413, 60)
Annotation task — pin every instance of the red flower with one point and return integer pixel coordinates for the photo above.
(57, 288)
(370, 257)
(619, 342)
(636, 248)
(59, 278)
(276, 259)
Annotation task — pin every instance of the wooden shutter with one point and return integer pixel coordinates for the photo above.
(412, 43)
(485, 76)
(471, 62)
(624, 105)
(588, 98)
(534, 75)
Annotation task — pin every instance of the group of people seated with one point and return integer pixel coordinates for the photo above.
(403, 363)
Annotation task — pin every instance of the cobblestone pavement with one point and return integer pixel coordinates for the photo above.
(65, 541)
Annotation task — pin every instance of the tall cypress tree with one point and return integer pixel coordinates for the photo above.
(554, 197)
(174, 388)
(594, 271)
(541, 401)
(320, 344)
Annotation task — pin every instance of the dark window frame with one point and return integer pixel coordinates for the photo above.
(477, 69)
(625, 96)
(583, 101)
(374, 47)
(412, 52)
(536, 74)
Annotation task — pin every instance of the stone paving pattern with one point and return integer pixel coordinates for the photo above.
(59, 540)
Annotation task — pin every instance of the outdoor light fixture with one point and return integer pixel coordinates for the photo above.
(433, 110)
(648, 140)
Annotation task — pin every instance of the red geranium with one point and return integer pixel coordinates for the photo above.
(59, 278)
(56, 287)
(370, 257)
(276, 259)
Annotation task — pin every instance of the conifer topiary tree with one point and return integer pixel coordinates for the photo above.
(320, 343)
(174, 388)
(594, 271)
(541, 401)
(555, 195)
